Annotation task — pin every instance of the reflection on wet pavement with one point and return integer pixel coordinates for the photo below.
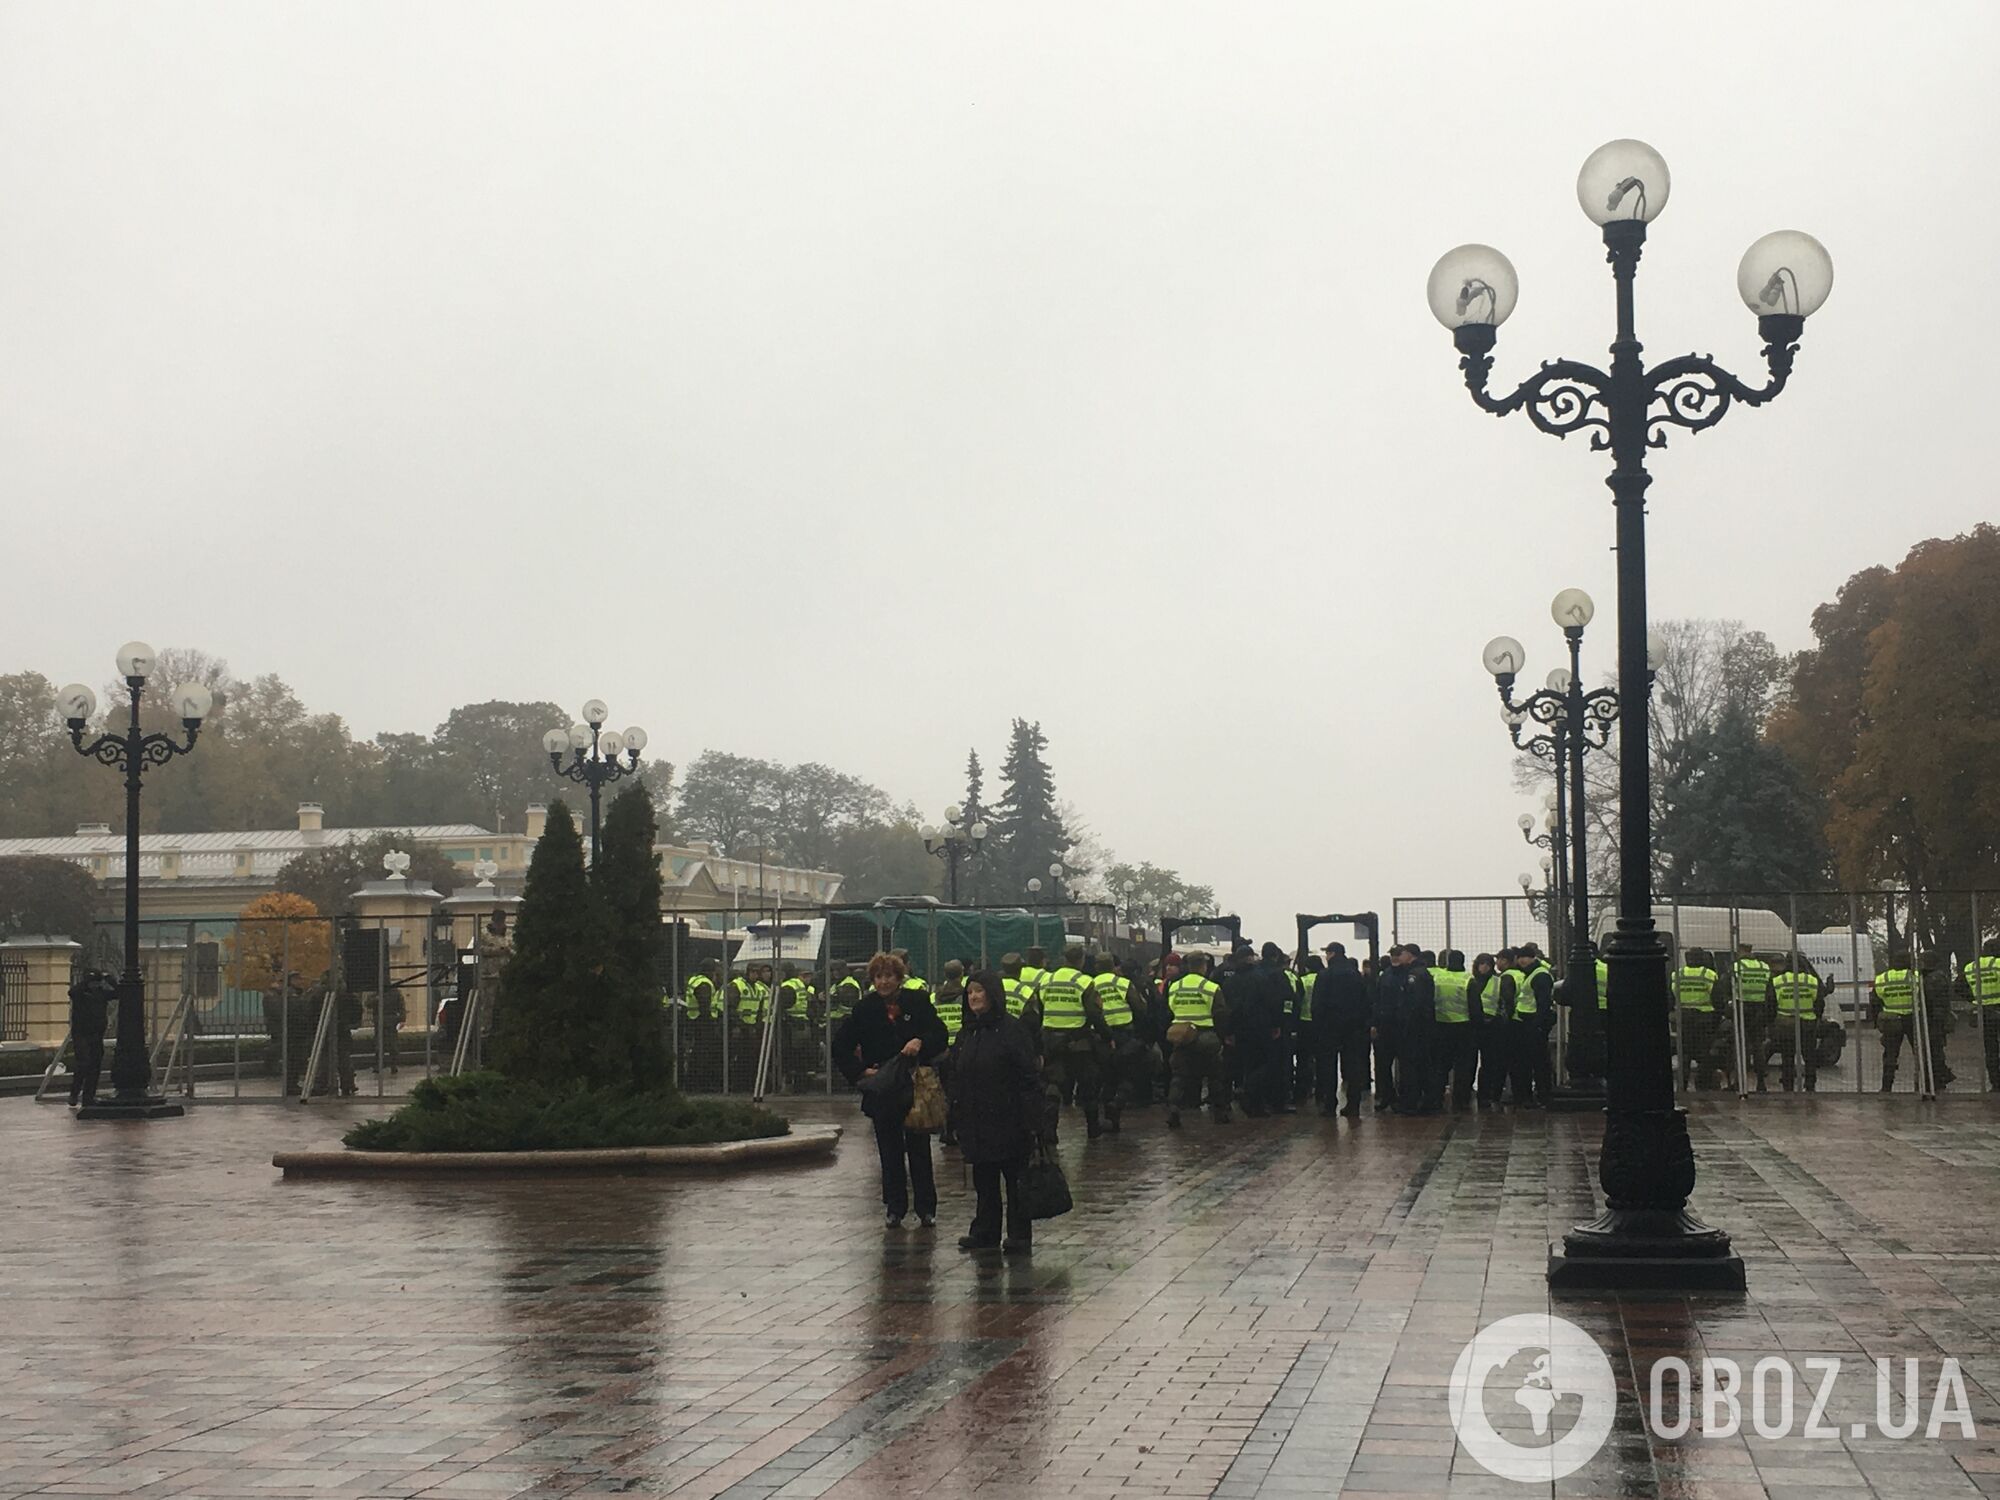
(1271, 1309)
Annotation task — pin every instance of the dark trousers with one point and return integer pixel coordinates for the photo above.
(896, 1146)
(1790, 1036)
(1385, 1067)
(986, 1179)
(1454, 1053)
(1345, 1053)
(1413, 1067)
(1263, 1078)
(89, 1063)
(1496, 1043)
(1989, 1037)
(1305, 1063)
(1698, 1048)
(1530, 1065)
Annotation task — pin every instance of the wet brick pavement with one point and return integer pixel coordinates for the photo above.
(1268, 1309)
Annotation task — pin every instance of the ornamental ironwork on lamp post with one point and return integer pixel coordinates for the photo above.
(1550, 842)
(133, 752)
(956, 840)
(592, 753)
(1646, 1237)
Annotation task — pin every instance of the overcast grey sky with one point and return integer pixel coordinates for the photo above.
(1055, 360)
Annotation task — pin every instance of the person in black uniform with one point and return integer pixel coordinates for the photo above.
(89, 1009)
(1342, 1008)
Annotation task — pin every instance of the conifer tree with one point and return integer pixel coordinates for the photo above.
(630, 1044)
(1028, 832)
(543, 1019)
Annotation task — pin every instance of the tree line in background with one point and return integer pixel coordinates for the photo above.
(1870, 758)
(262, 752)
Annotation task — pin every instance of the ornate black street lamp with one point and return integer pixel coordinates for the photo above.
(134, 752)
(955, 841)
(1646, 1238)
(593, 752)
(1550, 840)
(1576, 721)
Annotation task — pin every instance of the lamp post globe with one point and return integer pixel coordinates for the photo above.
(1572, 609)
(1504, 657)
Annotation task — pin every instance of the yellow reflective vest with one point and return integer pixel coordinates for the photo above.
(1695, 988)
(1114, 993)
(1982, 977)
(1897, 990)
(1062, 999)
(1191, 998)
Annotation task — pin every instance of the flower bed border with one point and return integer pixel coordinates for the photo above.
(776, 1150)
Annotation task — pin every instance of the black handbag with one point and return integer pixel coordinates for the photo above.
(1044, 1190)
(888, 1092)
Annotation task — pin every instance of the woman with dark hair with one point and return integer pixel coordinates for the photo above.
(887, 1022)
(995, 1086)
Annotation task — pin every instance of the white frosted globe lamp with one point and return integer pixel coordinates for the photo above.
(192, 702)
(135, 659)
(1503, 656)
(1785, 274)
(77, 702)
(1623, 180)
(1572, 609)
(1473, 285)
(594, 711)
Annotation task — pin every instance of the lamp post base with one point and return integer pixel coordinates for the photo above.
(1646, 1249)
(1577, 1097)
(144, 1107)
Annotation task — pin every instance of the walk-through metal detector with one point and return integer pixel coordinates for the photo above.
(1359, 920)
(1170, 925)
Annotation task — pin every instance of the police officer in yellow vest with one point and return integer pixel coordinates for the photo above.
(748, 1000)
(1071, 1041)
(701, 1031)
(1695, 985)
(1528, 994)
(949, 1002)
(1123, 1050)
(1194, 1001)
(1750, 986)
(846, 994)
(1482, 992)
(1454, 1038)
(1893, 1003)
(1982, 984)
(1798, 999)
(1021, 1003)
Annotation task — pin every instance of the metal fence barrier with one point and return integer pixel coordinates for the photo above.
(265, 1010)
(1833, 1036)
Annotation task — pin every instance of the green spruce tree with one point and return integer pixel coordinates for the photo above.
(630, 1044)
(544, 1017)
(1027, 830)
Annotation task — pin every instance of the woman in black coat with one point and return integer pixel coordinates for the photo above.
(887, 1022)
(996, 1096)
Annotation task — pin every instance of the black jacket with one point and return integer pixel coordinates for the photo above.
(868, 1038)
(1340, 997)
(995, 1088)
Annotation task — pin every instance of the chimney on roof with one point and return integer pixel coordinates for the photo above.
(538, 817)
(312, 817)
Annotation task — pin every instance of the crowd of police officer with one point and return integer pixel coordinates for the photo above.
(1420, 1033)
(1782, 1003)
(1253, 1032)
